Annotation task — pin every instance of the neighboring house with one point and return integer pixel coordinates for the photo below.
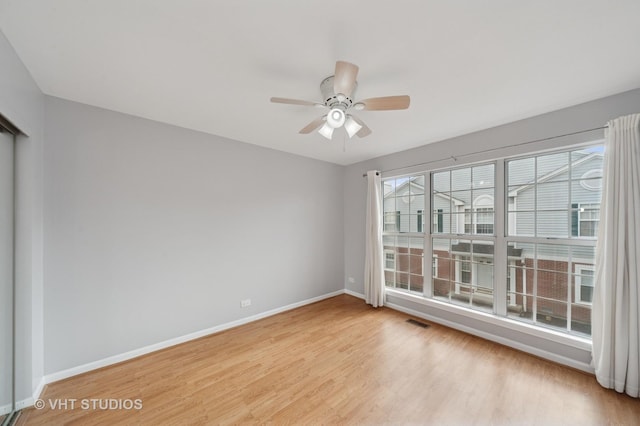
(551, 196)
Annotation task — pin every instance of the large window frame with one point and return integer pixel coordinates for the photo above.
(504, 262)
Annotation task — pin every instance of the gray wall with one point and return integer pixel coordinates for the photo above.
(22, 102)
(478, 146)
(154, 231)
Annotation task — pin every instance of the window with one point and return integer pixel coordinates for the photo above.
(585, 219)
(403, 204)
(478, 221)
(389, 260)
(392, 221)
(546, 236)
(438, 221)
(434, 265)
(403, 233)
(584, 279)
(484, 220)
(464, 201)
(553, 217)
(465, 270)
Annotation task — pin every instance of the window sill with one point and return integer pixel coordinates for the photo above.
(548, 334)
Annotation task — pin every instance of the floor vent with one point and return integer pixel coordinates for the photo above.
(418, 323)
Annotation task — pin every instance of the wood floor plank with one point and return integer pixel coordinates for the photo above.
(338, 361)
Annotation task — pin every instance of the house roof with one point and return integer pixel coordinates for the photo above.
(554, 173)
(420, 189)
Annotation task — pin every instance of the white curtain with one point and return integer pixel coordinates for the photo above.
(373, 268)
(615, 315)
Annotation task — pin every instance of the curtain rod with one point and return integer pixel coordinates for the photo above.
(454, 158)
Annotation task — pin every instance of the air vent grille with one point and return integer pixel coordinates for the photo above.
(418, 323)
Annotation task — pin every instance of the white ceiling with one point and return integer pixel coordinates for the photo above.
(213, 65)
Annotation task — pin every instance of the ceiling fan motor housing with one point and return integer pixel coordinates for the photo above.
(332, 99)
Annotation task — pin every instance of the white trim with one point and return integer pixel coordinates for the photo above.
(59, 375)
(5, 409)
(28, 402)
(498, 339)
(537, 331)
(354, 294)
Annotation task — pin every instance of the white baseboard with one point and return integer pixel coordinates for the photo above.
(354, 294)
(5, 409)
(27, 402)
(498, 339)
(74, 371)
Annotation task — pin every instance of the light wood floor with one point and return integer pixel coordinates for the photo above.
(339, 362)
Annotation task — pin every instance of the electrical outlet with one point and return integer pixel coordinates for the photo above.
(244, 303)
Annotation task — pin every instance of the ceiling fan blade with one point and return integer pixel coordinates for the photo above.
(365, 131)
(386, 103)
(294, 102)
(313, 125)
(344, 80)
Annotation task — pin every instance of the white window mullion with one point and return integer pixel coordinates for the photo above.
(427, 267)
(534, 285)
(512, 283)
(569, 287)
(500, 244)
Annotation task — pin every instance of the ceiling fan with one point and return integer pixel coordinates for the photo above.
(337, 94)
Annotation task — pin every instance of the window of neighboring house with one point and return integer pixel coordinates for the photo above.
(434, 265)
(584, 219)
(584, 279)
(420, 220)
(465, 269)
(389, 260)
(478, 221)
(438, 221)
(484, 220)
(392, 221)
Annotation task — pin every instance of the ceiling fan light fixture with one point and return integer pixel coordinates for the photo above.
(351, 126)
(338, 100)
(326, 130)
(335, 118)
